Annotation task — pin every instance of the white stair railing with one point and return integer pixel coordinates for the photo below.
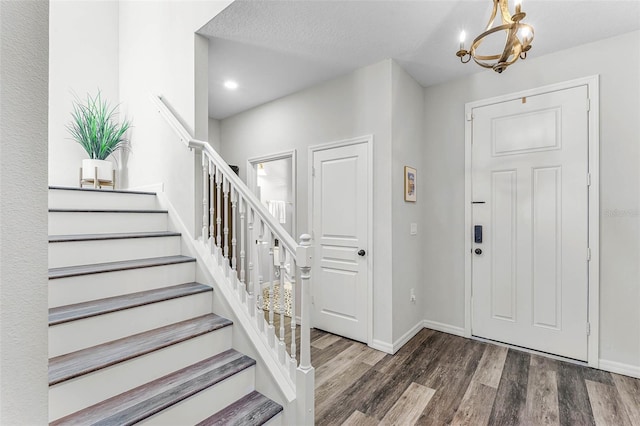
(238, 230)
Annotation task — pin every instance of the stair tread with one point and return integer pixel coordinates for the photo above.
(84, 361)
(253, 409)
(96, 268)
(144, 401)
(110, 191)
(67, 313)
(111, 236)
(107, 211)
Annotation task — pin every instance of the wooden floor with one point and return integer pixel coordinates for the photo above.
(441, 379)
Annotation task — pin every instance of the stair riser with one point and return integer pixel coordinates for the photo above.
(72, 223)
(72, 253)
(75, 335)
(68, 199)
(70, 290)
(211, 400)
(75, 394)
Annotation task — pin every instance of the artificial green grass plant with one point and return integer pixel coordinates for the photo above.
(95, 128)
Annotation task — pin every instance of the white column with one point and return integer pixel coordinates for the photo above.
(305, 380)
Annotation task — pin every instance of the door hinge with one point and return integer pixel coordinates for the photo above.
(588, 254)
(588, 329)
(588, 179)
(469, 117)
(588, 104)
(313, 171)
(313, 300)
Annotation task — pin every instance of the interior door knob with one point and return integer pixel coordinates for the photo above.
(478, 251)
(361, 252)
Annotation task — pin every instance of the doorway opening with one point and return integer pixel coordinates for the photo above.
(273, 179)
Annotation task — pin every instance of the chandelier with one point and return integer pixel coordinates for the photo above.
(518, 38)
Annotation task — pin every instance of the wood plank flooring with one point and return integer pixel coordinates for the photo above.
(440, 379)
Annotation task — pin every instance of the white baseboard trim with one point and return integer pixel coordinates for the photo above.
(445, 328)
(407, 336)
(379, 345)
(620, 368)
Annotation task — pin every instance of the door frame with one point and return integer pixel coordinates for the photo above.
(252, 180)
(593, 316)
(368, 140)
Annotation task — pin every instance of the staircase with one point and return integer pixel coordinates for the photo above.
(132, 336)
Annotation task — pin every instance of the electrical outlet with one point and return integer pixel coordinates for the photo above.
(412, 297)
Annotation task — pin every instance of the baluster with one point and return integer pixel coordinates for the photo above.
(234, 241)
(281, 344)
(305, 374)
(212, 173)
(293, 363)
(271, 329)
(250, 244)
(225, 189)
(219, 208)
(242, 243)
(259, 272)
(205, 172)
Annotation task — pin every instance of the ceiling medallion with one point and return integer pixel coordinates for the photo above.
(518, 40)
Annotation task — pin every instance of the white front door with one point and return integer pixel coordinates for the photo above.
(340, 223)
(530, 195)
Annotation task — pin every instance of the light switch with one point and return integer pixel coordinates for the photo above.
(414, 229)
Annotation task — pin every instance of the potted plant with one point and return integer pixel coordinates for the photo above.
(95, 127)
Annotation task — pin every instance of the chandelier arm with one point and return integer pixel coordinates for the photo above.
(511, 45)
(494, 12)
(478, 41)
(504, 11)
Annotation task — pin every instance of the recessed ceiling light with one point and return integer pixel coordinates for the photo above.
(231, 85)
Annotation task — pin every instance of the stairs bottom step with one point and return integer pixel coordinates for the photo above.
(144, 401)
(253, 409)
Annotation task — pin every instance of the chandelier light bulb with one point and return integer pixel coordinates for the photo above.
(463, 36)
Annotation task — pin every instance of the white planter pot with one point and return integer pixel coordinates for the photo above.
(105, 169)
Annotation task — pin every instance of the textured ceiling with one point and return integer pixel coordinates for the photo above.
(275, 48)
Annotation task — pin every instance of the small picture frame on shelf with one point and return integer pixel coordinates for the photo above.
(410, 181)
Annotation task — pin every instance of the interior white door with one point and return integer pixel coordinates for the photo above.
(340, 222)
(530, 194)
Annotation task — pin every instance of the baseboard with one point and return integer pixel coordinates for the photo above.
(381, 346)
(620, 368)
(407, 336)
(445, 328)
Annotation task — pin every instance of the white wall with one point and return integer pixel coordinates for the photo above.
(407, 150)
(83, 52)
(161, 54)
(617, 61)
(214, 133)
(24, 66)
(352, 105)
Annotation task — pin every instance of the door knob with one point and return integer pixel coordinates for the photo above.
(478, 251)
(361, 252)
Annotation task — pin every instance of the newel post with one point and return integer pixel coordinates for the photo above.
(305, 378)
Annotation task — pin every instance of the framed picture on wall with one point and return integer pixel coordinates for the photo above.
(410, 184)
